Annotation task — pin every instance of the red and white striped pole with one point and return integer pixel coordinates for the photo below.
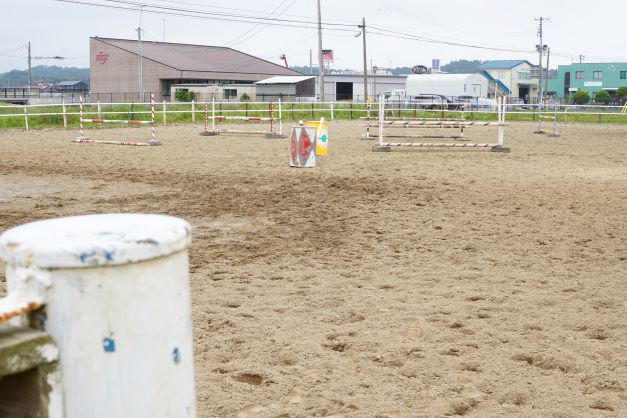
(81, 116)
(271, 118)
(152, 108)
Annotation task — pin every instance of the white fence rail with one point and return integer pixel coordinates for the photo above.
(296, 110)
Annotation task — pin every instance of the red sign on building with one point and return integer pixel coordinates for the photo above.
(102, 57)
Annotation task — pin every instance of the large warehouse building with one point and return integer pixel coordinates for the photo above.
(115, 77)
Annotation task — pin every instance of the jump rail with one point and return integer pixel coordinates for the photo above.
(83, 139)
(387, 146)
(216, 129)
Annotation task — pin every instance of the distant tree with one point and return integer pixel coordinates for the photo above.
(603, 97)
(622, 94)
(51, 74)
(305, 70)
(462, 67)
(184, 96)
(581, 97)
(244, 98)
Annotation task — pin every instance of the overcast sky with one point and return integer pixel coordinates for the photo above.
(594, 29)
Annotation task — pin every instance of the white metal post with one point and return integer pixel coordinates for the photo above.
(26, 117)
(64, 114)
(193, 112)
(381, 119)
(213, 114)
(367, 120)
(332, 111)
(164, 113)
(502, 121)
(99, 111)
(280, 118)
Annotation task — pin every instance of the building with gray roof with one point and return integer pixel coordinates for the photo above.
(115, 77)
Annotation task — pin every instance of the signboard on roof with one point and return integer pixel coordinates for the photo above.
(327, 55)
(419, 69)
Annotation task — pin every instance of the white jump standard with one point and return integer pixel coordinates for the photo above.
(387, 146)
(83, 139)
(433, 123)
(216, 129)
(547, 118)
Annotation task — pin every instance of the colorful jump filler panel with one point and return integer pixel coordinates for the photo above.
(322, 136)
(303, 147)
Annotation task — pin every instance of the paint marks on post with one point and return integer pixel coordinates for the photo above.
(176, 355)
(108, 345)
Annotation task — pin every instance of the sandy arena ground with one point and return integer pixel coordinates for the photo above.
(403, 284)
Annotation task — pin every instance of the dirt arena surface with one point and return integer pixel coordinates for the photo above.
(404, 284)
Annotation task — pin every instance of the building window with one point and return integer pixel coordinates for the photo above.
(579, 75)
(501, 75)
(597, 75)
(524, 76)
(230, 93)
(623, 75)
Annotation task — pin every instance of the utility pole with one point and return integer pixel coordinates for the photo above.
(540, 48)
(140, 60)
(581, 58)
(320, 63)
(140, 70)
(30, 71)
(310, 61)
(363, 33)
(546, 79)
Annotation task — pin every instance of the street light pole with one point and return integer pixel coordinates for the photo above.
(374, 70)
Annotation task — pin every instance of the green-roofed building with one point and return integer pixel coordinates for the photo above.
(592, 77)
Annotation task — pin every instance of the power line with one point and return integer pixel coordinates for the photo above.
(210, 16)
(252, 31)
(404, 35)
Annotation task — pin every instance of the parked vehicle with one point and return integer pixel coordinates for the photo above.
(430, 101)
(395, 95)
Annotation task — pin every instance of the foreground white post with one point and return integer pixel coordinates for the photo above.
(501, 119)
(26, 117)
(64, 114)
(280, 118)
(113, 292)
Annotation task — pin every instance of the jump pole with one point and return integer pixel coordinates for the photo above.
(367, 136)
(82, 132)
(86, 140)
(554, 133)
(272, 133)
(213, 131)
(498, 147)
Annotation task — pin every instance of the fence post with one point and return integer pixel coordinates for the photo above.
(26, 117)
(312, 111)
(99, 110)
(193, 112)
(165, 114)
(64, 114)
(351, 110)
(332, 112)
